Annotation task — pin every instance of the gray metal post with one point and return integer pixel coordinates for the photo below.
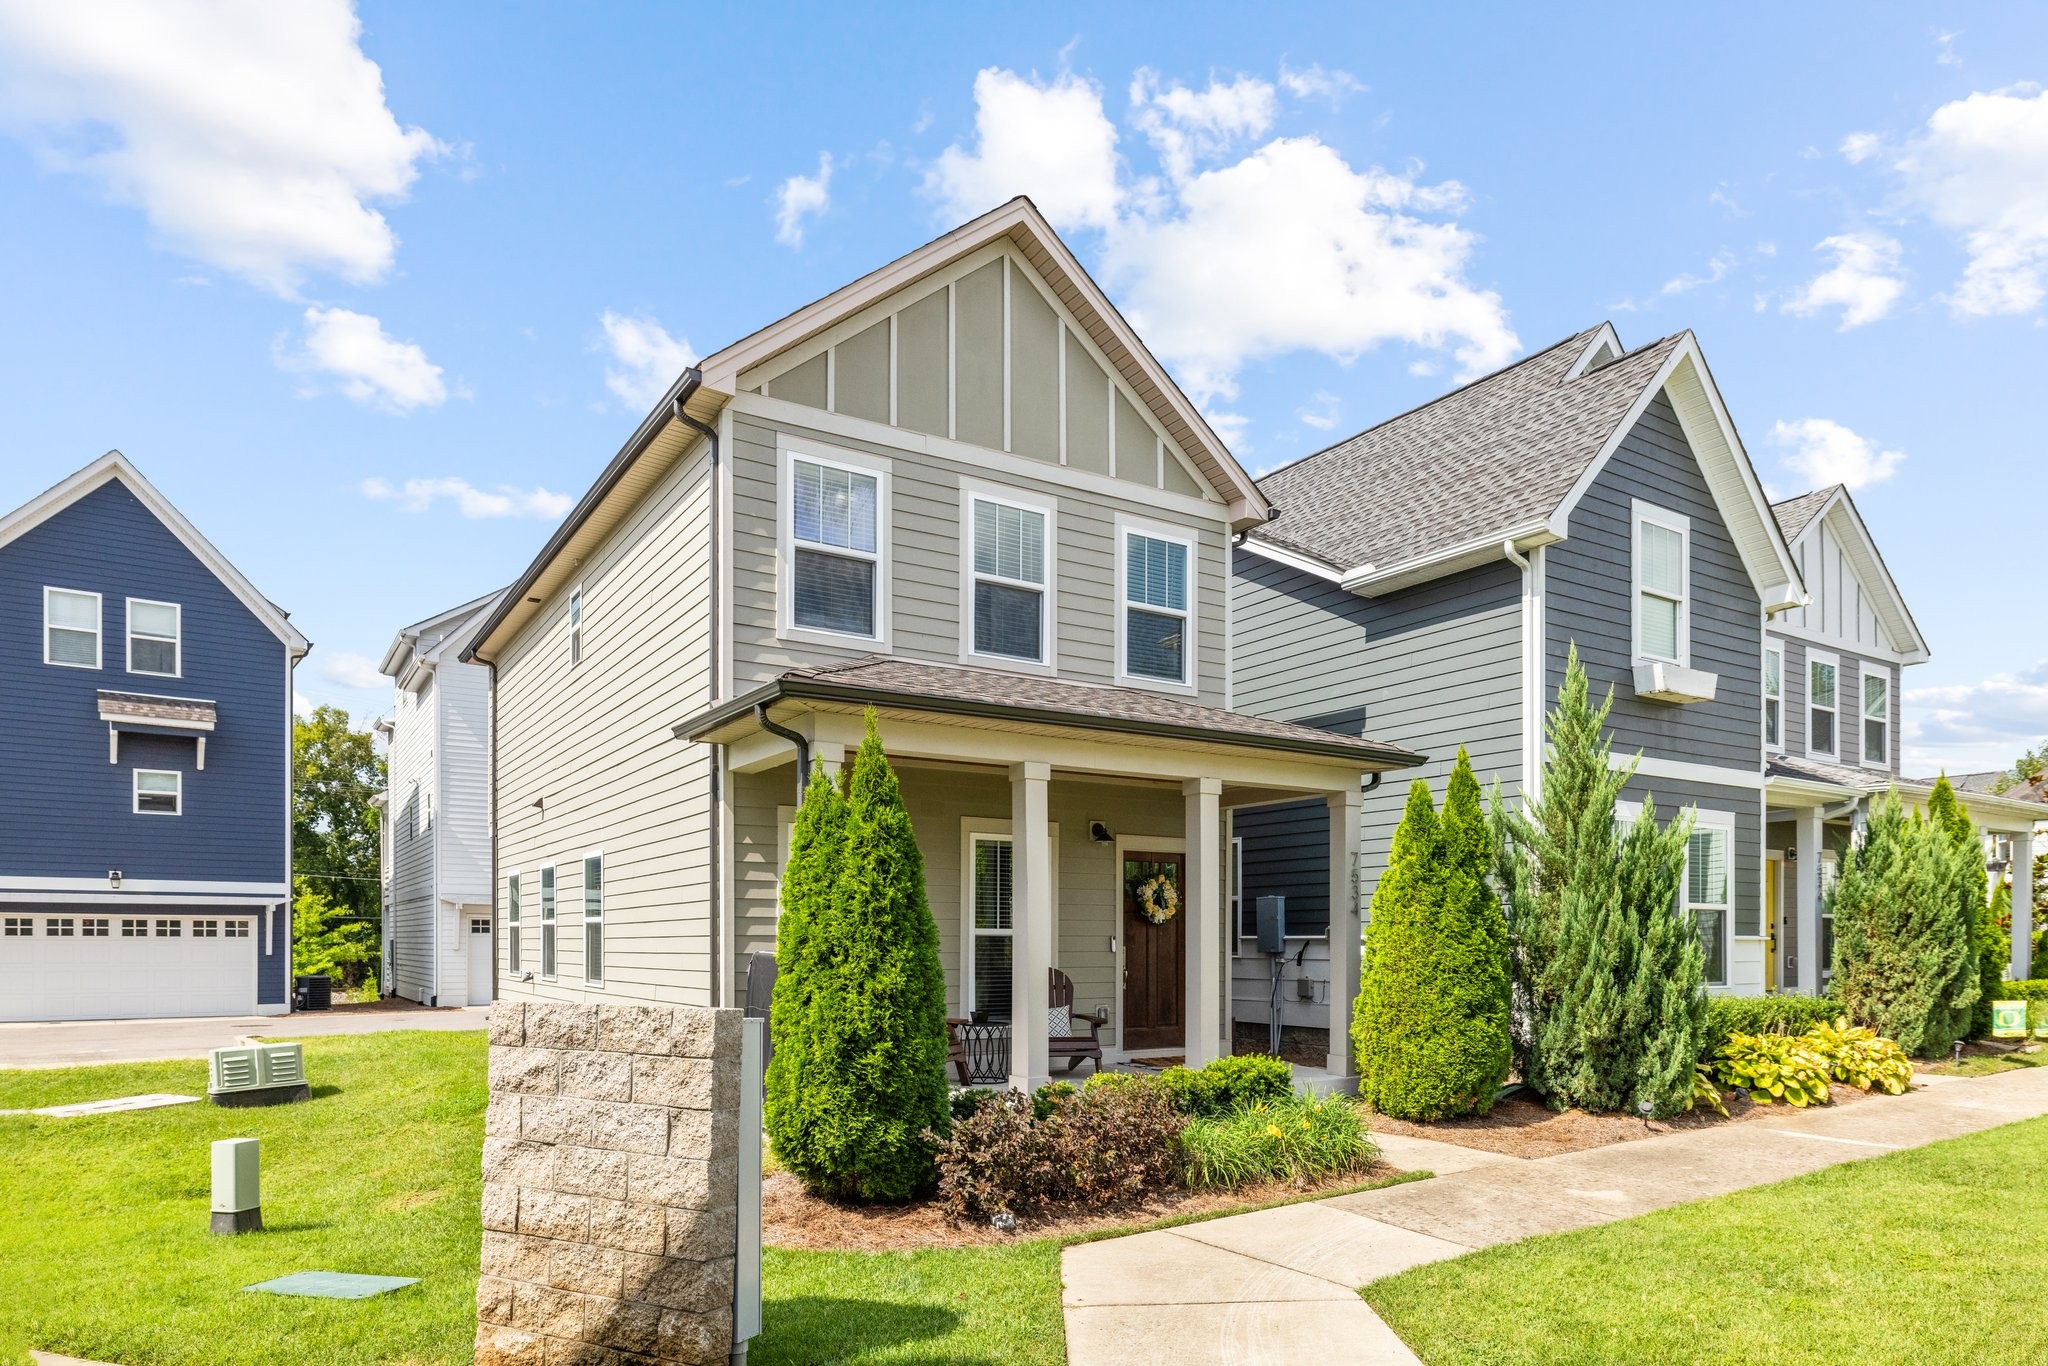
(746, 1281)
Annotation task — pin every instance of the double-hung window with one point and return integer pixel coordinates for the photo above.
(1158, 607)
(1706, 889)
(1009, 572)
(1662, 617)
(159, 792)
(71, 628)
(1821, 670)
(1774, 697)
(593, 918)
(154, 633)
(547, 921)
(1877, 716)
(512, 922)
(834, 548)
(991, 930)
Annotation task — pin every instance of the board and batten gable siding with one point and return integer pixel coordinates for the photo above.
(1838, 607)
(926, 540)
(1589, 600)
(410, 780)
(65, 811)
(587, 761)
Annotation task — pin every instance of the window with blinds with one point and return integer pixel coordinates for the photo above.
(71, 628)
(1009, 571)
(1877, 717)
(1158, 614)
(1660, 575)
(993, 932)
(835, 541)
(1820, 705)
(1707, 884)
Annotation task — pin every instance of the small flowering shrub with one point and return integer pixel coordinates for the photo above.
(1106, 1145)
(1299, 1138)
(1775, 1067)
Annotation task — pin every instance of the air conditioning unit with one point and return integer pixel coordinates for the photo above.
(257, 1074)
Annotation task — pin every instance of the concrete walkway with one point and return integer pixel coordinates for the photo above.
(73, 1043)
(1281, 1285)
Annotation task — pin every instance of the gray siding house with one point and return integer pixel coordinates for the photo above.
(958, 491)
(1428, 578)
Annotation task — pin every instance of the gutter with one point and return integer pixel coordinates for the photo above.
(795, 737)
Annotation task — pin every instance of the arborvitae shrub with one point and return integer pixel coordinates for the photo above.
(1430, 1027)
(1989, 947)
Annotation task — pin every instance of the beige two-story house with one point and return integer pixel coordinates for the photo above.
(961, 492)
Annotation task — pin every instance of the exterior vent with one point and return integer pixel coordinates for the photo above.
(258, 1074)
(232, 1069)
(282, 1064)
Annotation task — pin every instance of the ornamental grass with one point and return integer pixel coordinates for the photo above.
(1299, 1139)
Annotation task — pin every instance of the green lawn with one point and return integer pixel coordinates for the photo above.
(1932, 1255)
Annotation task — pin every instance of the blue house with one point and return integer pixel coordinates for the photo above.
(145, 780)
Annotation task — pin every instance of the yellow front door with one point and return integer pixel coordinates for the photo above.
(1772, 867)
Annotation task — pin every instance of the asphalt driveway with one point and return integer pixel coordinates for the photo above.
(88, 1041)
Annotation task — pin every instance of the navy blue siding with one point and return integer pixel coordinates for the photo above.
(1286, 852)
(64, 810)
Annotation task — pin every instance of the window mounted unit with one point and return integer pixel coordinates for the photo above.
(159, 792)
(576, 626)
(992, 938)
(18, 927)
(134, 929)
(512, 922)
(71, 628)
(1009, 555)
(1820, 705)
(1662, 608)
(60, 927)
(1706, 891)
(593, 918)
(1158, 617)
(155, 630)
(1774, 698)
(235, 929)
(169, 929)
(547, 922)
(834, 548)
(93, 927)
(1877, 717)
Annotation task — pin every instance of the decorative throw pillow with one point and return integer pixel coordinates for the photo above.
(1059, 1021)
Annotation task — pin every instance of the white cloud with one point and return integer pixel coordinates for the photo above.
(352, 670)
(506, 500)
(1945, 49)
(1717, 270)
(1186, 126)
(1980, 169)
(1973, 727)
(251, 135)
(1822, 452)
(1864, 282)
(372, 367)
(301, 705)
(1321, 411)
(801, 197)
(1858, 148)
(1313, 82)
(648, 359)
(1049, 140)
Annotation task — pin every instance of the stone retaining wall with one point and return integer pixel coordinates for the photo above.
(610, 1185)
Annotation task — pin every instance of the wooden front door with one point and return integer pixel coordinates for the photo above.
(1155, 958)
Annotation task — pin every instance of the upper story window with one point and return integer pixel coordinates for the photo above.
(1774, 697)
(1877, 716)
(159, 792)
(576, 625)
(835, 547)
(1820, 704)
(1158, 612)
(71, 628)
(1662, 609)
(154, 631)
(1008, 569)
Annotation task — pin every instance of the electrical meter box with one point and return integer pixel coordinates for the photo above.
(1272, 916)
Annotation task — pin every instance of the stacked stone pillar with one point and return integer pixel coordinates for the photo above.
(610, 1185)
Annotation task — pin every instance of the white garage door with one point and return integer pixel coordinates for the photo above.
(68, 965)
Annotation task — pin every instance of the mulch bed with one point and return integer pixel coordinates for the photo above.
(1299, 1044)
(792, 1217)
(1521, 1127)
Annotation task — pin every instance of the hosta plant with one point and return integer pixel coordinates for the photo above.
(1706, 1091)
(1860, 1058)
(1772, 1067)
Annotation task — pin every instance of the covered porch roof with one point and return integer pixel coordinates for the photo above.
(1791, 782)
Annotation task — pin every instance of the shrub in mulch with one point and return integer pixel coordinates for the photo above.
(1302, 1139)
(1107, 1145)
(1221, 1087)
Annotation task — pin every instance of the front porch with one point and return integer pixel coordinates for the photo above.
(1037, 820)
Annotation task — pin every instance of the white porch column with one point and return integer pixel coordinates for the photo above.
(831, 754)
(2022, 905)
(1346, 935)
(1806, 847)
(1202, 904)
(1030, 924)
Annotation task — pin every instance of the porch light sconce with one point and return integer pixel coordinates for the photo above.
(113, 879)
(1792, 855)
(1100, 833)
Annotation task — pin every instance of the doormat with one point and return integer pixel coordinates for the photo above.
(106, 1107)
(333, 1285)
(1162, 1061)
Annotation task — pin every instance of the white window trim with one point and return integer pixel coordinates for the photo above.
(1126, 527)
(99, 630)
(970, 494)
(1777, 745)
(1640, 513)
(514, 940)
(550, 885)
(586, 920)
(135, 792)
(787, 454)
(574, 612)
(974, 828)
(1814, 657)
(177, 640)
(1867, 671)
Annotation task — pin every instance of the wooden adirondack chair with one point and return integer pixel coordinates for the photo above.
(1072, 1047)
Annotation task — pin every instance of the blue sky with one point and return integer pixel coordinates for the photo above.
(373, 338)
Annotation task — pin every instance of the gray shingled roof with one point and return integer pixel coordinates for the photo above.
(1794, 513)
(1499, 453)
(884, 681)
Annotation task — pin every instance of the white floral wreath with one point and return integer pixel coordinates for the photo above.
(1158, 901)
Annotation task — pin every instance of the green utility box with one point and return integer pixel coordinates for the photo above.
(237, 1196)
(257, 1074)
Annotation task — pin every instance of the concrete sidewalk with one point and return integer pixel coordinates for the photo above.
(74, 1043)
(1281, 1285)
